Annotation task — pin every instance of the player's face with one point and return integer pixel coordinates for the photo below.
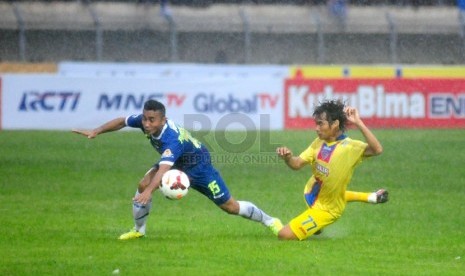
(324, 129)
(153, 122)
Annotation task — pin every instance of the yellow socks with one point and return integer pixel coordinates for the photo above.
(357, 196)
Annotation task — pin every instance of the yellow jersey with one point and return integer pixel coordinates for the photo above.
(332, 167)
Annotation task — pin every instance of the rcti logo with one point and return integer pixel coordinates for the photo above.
(49, 101)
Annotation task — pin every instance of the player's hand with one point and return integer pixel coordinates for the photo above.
(284, 153)
(352, 115)
(88, 133)
(144, 197)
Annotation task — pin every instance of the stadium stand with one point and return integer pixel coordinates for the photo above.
(258, 32)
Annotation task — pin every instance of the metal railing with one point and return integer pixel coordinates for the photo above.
(247, 34)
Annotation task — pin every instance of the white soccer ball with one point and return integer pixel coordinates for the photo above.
(174, 184)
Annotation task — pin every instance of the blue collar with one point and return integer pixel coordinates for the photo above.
(341, 137)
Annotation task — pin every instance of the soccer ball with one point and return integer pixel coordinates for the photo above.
(174, 184)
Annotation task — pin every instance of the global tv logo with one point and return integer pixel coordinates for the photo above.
(214, 103)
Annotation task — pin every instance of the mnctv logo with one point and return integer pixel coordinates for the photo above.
(134, 101)
(49, 101)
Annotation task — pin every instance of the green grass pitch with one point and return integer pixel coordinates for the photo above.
(65, 199)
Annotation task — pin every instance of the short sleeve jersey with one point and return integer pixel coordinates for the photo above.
(332, 166)
(177, 147)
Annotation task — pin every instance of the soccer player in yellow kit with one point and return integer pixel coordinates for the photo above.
(333, 157)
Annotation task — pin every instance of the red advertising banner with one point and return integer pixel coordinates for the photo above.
(390, 103)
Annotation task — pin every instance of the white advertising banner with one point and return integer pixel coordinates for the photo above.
(61, 102)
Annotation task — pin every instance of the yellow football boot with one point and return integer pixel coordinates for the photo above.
(133, 234)
(276, 226)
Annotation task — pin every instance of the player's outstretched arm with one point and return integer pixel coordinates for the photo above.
(113, 125)
(293, 162)
(374, 146)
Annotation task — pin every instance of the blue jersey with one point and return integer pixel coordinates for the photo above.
(176, 146)
(183, 152)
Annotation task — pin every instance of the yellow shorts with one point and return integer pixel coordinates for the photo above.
(310, 221)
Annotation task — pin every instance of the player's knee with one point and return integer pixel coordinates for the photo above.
(283, 236)
(231, 207)
(287, 238)
(142, 186)
(230, 210)
(286, 234)
(145, 181)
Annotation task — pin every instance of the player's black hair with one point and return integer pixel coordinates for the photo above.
(334, 110)
(155, 106)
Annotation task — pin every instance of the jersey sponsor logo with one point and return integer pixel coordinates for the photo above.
(322, 169)
(326, 152)
(167, 154)
(49, 101)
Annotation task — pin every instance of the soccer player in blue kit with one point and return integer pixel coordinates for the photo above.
(181, 151)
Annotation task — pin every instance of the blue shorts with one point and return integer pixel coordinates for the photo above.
(211, 184)
(208, 181)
